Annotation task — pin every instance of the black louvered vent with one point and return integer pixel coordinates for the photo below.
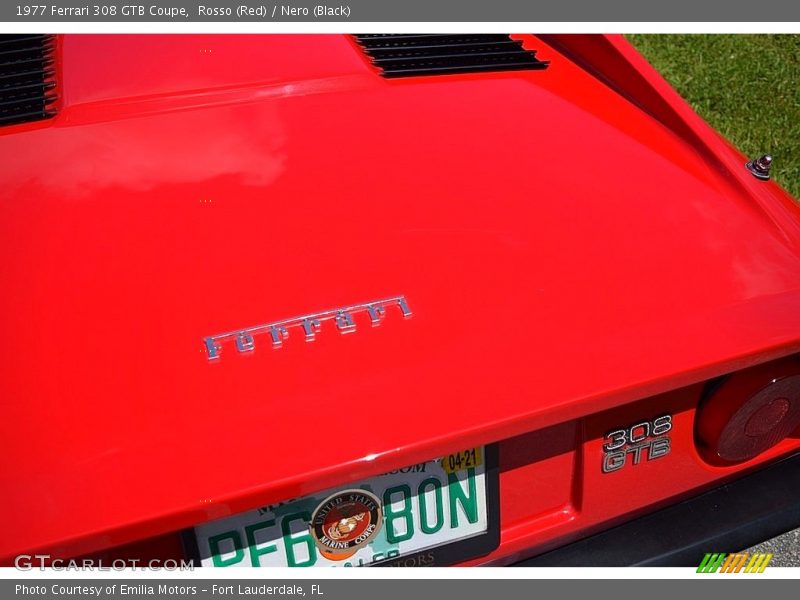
(406, 55)
(27, 78)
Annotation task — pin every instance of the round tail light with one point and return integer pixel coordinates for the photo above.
(749, 412)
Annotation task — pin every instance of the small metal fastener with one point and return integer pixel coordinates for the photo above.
(760, 166)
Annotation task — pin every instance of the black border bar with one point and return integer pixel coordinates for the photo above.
(405, 11)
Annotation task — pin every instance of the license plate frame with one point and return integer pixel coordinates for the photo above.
(448, 553)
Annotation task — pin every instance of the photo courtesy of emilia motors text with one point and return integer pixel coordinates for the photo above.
(383, 298)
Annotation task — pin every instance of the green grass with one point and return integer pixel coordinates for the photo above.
(746, 86)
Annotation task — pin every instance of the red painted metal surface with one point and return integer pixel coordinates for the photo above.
(567, 248)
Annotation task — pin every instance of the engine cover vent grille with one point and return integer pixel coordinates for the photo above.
(27, 78)
(407, 55)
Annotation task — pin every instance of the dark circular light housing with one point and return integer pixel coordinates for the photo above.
(749, 412)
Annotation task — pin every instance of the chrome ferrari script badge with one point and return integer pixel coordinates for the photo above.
(244, 339)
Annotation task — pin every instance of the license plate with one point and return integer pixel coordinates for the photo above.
(429, 514)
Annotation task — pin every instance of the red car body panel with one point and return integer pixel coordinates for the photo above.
(578, 253)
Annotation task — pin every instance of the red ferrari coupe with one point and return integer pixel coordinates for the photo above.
(402, 300)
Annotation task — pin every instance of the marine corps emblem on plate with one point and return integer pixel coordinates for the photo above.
(346, 521)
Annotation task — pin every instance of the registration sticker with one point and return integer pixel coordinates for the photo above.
(459, 461)
(432, 513)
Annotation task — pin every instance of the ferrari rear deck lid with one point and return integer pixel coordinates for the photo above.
(406, 55)
(27, 78)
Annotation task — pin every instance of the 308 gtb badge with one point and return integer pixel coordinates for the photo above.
(646, 440)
